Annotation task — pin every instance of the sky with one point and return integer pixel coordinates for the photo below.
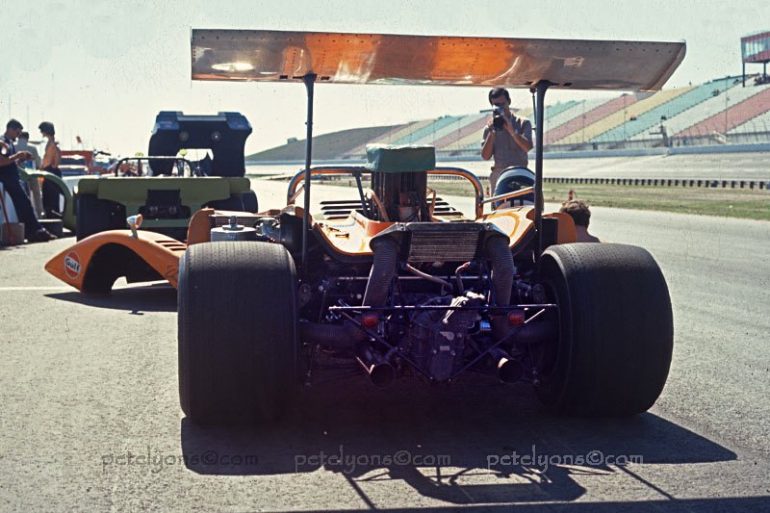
(103, 69)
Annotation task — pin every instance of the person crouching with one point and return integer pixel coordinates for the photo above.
(580, 213)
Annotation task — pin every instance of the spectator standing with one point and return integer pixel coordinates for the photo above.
(51, 161)
(24, 145)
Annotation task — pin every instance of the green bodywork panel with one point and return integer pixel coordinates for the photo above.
(68, 216)
(132, 192)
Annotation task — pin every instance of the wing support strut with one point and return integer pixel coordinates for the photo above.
(539, 89)
(309, 80)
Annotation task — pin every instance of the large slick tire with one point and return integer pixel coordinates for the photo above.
(613, 352)
(94, 215)
(250, 203)
(237, 332)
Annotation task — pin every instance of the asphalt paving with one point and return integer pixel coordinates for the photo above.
(90, 418)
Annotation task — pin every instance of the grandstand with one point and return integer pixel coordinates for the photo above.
(579, 108)
(720, 111)
(622, 118)
(753, 130)
(325, 147)
(738, 113)
(647, 120)
(449, 132)
(578, 124)
(720, 102)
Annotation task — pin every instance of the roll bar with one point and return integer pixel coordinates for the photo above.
(297, 184)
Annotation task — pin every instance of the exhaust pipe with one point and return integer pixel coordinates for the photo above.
(379, 370)
(343, 336)
(508, 369)
(503, 270)
(383, 271)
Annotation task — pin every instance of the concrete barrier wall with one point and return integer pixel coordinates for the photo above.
(630, 182)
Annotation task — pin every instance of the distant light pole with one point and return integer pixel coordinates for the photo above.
(727, 98)
(625, 120)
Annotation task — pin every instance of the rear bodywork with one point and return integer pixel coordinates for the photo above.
(165, 202)
(224, 134)
(156, 186)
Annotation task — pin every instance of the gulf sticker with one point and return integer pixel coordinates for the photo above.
(72, 265)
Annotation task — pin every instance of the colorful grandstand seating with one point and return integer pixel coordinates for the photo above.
(469, 141)
(475, 129)
(612, 127)
(703, 110)
(578, 109)
(760, 123)
(450, 130)
(413, 136)
(556, 109)
(647, 120)
(390, 136)
(736, 115)
(593, 131)
(710, 111)
(581, 121)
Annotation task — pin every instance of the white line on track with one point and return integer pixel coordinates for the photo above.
(151, 284)
(13, 289)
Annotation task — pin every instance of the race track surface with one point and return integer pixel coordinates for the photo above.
(90, 418)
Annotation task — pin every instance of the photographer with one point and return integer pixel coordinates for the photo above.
(506, 137)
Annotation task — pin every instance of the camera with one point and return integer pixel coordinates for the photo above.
(498, 121)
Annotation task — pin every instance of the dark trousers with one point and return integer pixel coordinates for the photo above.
(51, 195)
(10, 180)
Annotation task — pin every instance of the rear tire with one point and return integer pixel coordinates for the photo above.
(237, 358)
(250, 203)
(233, 203)
(94, 215)
(613, 353)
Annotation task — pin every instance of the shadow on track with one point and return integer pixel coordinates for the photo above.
(447, 443)
(135, 300)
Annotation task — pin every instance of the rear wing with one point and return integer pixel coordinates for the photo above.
(263, 55)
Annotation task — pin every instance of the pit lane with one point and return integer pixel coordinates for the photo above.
(91, 421)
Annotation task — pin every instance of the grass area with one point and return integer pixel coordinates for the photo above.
(740, 203)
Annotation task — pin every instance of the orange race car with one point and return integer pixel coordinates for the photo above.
(393, 278)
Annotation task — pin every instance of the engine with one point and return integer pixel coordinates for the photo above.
(415, 311)
(399, 182)
(436, 339)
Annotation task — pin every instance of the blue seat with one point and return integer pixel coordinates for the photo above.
(514, 179)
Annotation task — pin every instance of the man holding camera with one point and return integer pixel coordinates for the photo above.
(507, 138)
